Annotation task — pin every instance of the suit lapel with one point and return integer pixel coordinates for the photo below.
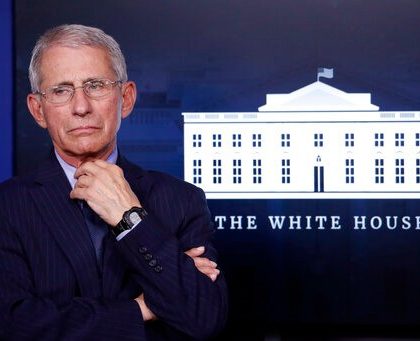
(66, 223)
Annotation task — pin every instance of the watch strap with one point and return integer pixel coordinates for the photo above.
(125, 223)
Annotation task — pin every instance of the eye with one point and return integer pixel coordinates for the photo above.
(61, 91)
(96, 85)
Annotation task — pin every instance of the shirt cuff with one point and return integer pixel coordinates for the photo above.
(124, 233)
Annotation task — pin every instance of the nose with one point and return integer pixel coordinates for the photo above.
(80, 102)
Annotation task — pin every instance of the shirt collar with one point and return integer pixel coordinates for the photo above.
(69, 170)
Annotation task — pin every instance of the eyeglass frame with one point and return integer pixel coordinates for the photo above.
(110, 83)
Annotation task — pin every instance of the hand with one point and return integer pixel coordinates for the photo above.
(148, 315)
(203, 264)
(103, 186)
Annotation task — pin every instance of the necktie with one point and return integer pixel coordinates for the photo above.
(97, 230)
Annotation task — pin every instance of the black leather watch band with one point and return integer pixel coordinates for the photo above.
(130, 218)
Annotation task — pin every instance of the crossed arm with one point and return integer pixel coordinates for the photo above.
(204, 265)
(104, 188)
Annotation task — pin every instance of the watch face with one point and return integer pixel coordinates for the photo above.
(134, 218)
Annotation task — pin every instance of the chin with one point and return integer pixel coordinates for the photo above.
(94, 151)
(83, 151)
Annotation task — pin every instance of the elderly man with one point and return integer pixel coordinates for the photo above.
(93, 247)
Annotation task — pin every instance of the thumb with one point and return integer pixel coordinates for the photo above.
(195, 251)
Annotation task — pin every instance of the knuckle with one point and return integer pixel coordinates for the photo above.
(119, 171)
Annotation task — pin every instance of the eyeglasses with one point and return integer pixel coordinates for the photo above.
(96, 88)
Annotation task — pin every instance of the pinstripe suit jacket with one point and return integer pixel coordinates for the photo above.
(52, 289)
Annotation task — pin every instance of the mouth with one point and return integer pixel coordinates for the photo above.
(83, 130)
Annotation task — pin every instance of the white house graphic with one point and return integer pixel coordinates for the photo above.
(315, 142)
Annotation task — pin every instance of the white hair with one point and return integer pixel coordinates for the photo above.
(76, 36)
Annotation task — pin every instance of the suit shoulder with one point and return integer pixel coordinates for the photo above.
(12, 192)
(161, 179)
(13, 185)
(157, 179)
(20, 181)
(16, 188)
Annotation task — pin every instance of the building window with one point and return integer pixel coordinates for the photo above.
(418, 171)
(196, 140)
(349, 171)
(417, 139)
(285, 140)
(256, 140)
(399, 139)
(236, 140)
(217, 140)
(237, 171)
(349, 140)
(197, 171)
(318, 140)
(256, 171)
(217, 171)
(399, 171)
(285, 171)
(379, 139)
(379, 171)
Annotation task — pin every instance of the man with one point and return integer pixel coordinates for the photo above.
(93, 247)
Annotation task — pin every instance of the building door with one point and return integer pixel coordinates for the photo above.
(318, 176)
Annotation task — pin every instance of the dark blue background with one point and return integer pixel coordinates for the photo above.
(226, 56)
(6, 89)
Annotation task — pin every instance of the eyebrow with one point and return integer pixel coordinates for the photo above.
(90, 79)
(63, 83)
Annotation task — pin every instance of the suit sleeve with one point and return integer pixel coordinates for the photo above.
(174, 289)
(25, 315)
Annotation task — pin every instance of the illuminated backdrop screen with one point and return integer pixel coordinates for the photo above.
(314, 189)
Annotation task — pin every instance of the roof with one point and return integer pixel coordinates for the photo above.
(319, 96)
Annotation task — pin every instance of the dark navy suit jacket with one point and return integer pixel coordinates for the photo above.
(52, 289)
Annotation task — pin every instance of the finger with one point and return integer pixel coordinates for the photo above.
(87, 194)
(94, 176)
(200, 261)
(195, 251)
(83, 181)
(97, 188)
(106, 176)
(211, 273)
(213, 277)
(93, 167)
(109, 167)
(78, 193)
(86, 168)
(101, 163)
(90, 189)
(208, 271)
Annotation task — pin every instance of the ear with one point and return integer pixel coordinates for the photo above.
(34, 105)
(129, 93)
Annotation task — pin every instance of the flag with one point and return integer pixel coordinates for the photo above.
(323, 72)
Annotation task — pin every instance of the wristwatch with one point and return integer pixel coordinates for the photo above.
(129, 219)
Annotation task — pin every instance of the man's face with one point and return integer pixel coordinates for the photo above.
(82, 128)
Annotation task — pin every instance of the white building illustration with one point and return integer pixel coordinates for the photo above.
(316, 142)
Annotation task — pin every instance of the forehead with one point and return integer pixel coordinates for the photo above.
(60, 64)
